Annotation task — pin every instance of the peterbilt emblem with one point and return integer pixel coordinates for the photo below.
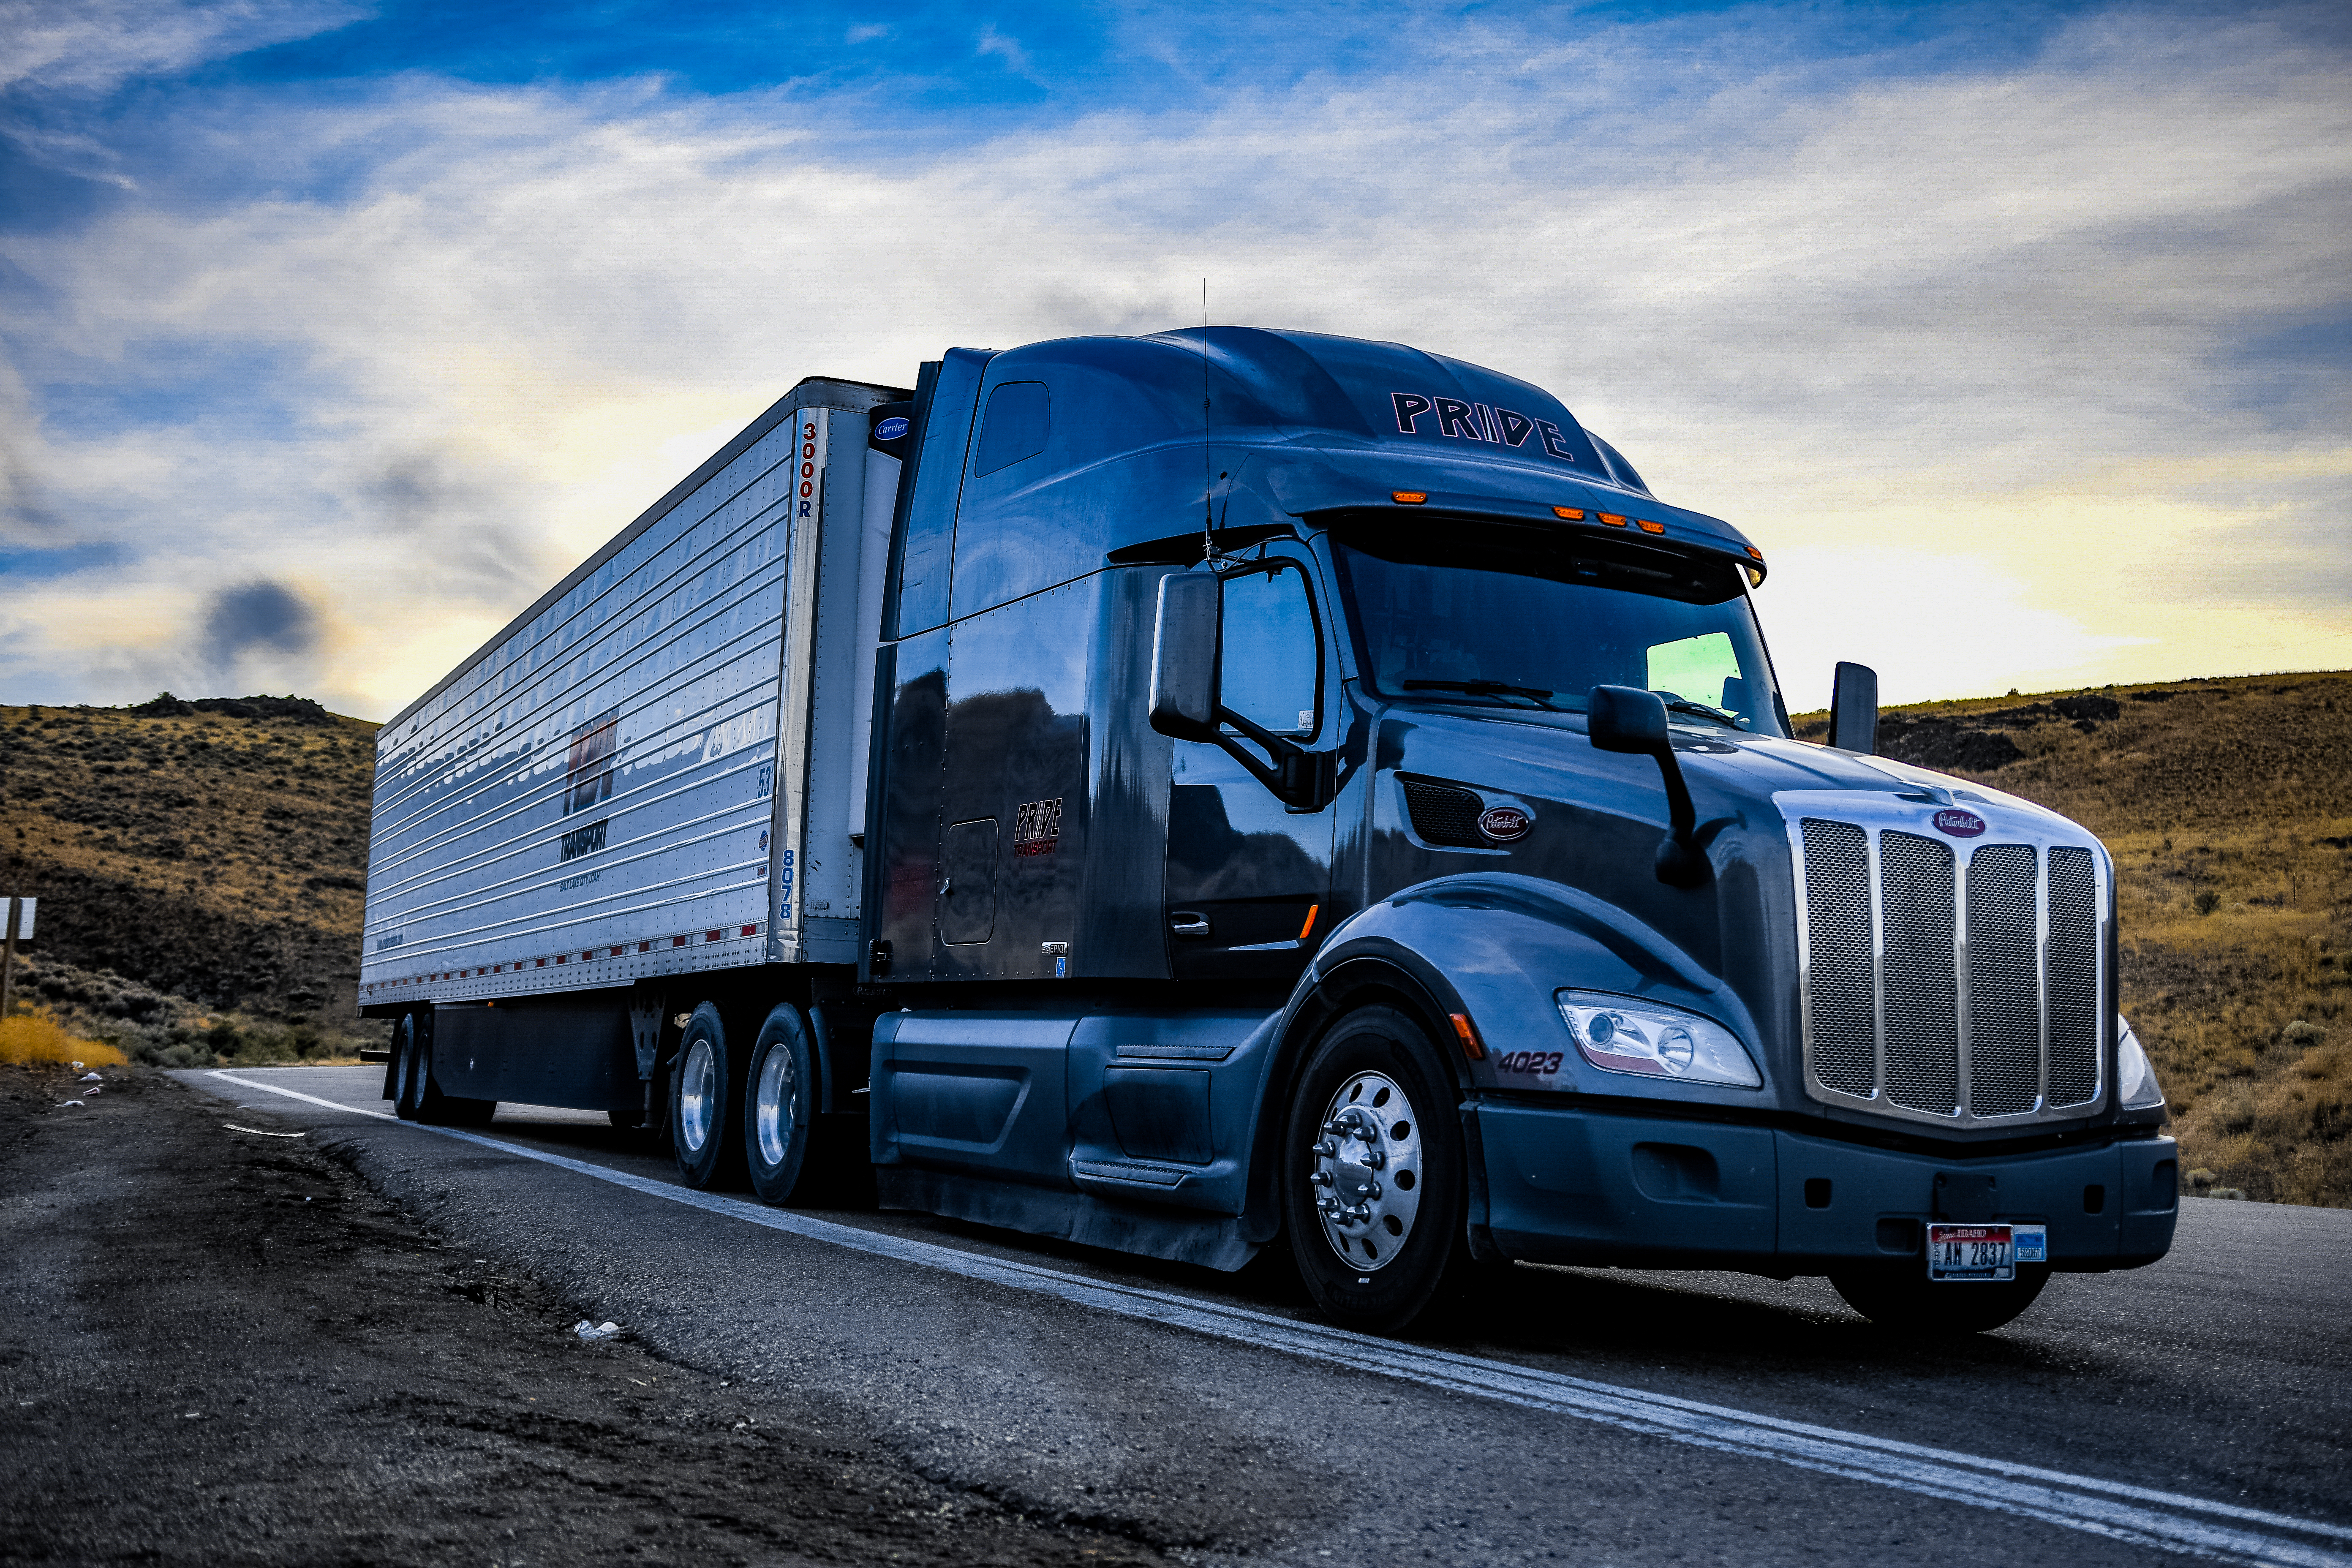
(1504, 824)
(1960, 823)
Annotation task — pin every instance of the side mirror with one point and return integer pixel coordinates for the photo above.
(1853, 708)
(1184, 657)
(1628, 719)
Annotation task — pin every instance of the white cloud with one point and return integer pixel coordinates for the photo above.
(97, 44)
(1948, 331)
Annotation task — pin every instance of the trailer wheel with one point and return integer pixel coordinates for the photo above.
(410, 1043)
(705, 1086)
(1902, 1299)
(776, 1119)
(1373, 1172)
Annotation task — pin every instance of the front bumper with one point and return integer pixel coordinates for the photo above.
(1565, 1185)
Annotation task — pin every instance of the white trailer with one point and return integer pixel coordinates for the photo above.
(636, 778)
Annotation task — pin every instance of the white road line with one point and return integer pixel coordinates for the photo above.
(2140, 1516)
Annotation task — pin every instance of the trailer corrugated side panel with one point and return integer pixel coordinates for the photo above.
(618, 784)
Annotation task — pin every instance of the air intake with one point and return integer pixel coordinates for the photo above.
(1444, 815)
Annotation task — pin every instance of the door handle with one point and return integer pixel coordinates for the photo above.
(1184, 922)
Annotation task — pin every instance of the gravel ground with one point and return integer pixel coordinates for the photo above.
(223, 1347)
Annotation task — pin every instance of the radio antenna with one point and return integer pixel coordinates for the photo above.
(1208, 487)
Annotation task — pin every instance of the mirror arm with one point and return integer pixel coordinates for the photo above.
(1299, 778)
(1681, 862)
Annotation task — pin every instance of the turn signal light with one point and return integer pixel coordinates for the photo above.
(1612, 519)
(1408, 498)
(1648, 526)
(1756, 552)
(1573, 513)
(1471, 1046)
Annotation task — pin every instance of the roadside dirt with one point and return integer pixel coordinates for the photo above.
(222, 1347)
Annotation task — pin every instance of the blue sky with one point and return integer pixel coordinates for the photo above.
(2016, 334)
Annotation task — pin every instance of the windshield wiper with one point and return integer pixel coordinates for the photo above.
(1538, 695)
(1684, 705)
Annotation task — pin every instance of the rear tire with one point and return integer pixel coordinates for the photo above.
(1902, 1299)
(416, 1098)
(411, 1042)
(1396, 1167)
(777, 1119)
(706, 1087)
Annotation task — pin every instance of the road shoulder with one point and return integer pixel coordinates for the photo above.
(227, 1346)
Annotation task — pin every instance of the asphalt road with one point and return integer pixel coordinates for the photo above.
(2200, 1406)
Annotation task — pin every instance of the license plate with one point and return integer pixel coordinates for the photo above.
(1984, 1252)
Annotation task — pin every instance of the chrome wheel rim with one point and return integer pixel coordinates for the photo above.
(771, 1107)
(1367, 1171)
(698, 1093)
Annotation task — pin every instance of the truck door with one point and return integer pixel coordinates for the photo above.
(1248, 875)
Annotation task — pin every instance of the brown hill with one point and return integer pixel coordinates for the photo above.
(200, 867)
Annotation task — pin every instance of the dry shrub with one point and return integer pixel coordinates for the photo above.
(37, 1036)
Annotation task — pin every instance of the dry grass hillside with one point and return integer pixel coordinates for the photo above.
(2227, 806)
(200, 868)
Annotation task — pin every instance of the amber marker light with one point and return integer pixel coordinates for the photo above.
(1756, 552)
(1573, 513)
(1312, 911)
(1612, 519)
(1471, 1046)
(1408, 498)
(1648, 526)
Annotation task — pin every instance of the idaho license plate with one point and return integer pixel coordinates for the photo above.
(1984, 1252)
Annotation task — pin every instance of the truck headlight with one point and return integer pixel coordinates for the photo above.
(2136, 1087)
(1617, 1034)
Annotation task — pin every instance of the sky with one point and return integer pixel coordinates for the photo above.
(333, 333)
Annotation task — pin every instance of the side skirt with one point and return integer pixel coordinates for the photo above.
(1210, 1241)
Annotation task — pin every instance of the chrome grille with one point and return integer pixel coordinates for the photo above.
(1947, 982)
(1922, 993)
(1843, 1024)
(2004, 992)
(2075, 1002)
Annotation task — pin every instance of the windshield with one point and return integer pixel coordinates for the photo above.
(1536, 619)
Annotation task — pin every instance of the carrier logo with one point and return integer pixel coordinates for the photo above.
(1037, 826)
(1460, 421)
(890, 429)
(1505, 823)
(1960, 823)
(584, 840)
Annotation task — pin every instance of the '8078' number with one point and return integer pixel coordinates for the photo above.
(1542, 1063)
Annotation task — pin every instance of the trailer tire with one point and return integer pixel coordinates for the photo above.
(411, 1045)
(1371, 1064)
(777, 1121)
(1904, 1300)
(706, 1084)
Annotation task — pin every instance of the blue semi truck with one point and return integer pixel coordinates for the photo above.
(1230, 789)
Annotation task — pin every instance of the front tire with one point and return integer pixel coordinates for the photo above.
(1373, 1174)
(1902, 1299)
(706, 1085)
(779, 1082)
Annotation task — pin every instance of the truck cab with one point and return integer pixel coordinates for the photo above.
(1318, 793)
